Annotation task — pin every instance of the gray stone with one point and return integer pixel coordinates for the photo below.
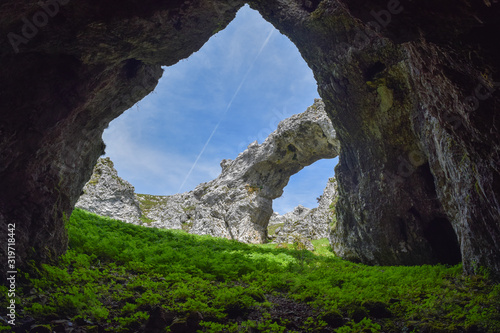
(306, 223)
(238, 203)
(107, 194)
(414, 104)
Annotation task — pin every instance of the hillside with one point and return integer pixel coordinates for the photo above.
(119, 277)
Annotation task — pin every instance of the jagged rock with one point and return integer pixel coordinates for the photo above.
(107, 194)
(409, 85)
(304, 222)
(168, 212)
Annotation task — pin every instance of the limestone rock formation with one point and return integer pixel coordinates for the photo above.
(238, 203)
(305, 223)
(167, 212)
(411, 87)
(107, 194)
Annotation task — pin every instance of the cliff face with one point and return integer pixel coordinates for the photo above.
(63, 81)
(238, 203)
(410, 87)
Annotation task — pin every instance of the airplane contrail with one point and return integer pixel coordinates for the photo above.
(227, 109)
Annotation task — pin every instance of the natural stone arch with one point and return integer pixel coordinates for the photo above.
(395, 79)
(238, 204)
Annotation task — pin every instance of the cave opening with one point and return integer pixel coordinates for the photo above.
(443, 241)
(209, 107)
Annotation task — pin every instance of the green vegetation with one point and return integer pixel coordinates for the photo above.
(271, 230)
(146, 220)
(189, 208)
(333, 206)
(118, 277)
(147, 202)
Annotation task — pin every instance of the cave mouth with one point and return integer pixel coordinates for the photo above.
(443, 240)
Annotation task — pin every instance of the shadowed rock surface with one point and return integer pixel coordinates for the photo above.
(91, 61)
(238, 203)
(410, 86)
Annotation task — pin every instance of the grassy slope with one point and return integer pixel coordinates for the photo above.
(120, 277)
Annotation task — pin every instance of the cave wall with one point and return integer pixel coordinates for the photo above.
(63, 80)
(410, 87)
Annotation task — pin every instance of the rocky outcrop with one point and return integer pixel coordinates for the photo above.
(238, 203)
(305, 223)
(410, 86)
(107, 194)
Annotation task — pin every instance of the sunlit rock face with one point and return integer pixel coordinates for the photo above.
(409, 85)
(109, 195)
(238, 203)
(305, 223)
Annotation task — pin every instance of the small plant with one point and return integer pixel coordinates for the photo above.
(189, 208)
(146, 220)
(268, 325)
(251, 189)
(313, 325)
(364, 326)
(211, 327)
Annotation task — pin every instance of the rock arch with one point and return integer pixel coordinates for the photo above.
(409, 86)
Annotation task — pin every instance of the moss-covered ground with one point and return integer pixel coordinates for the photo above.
(117, 277)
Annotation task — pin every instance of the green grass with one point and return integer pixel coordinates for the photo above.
(272, 229)
(117, 277)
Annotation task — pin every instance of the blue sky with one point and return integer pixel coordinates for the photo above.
(210, 106)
